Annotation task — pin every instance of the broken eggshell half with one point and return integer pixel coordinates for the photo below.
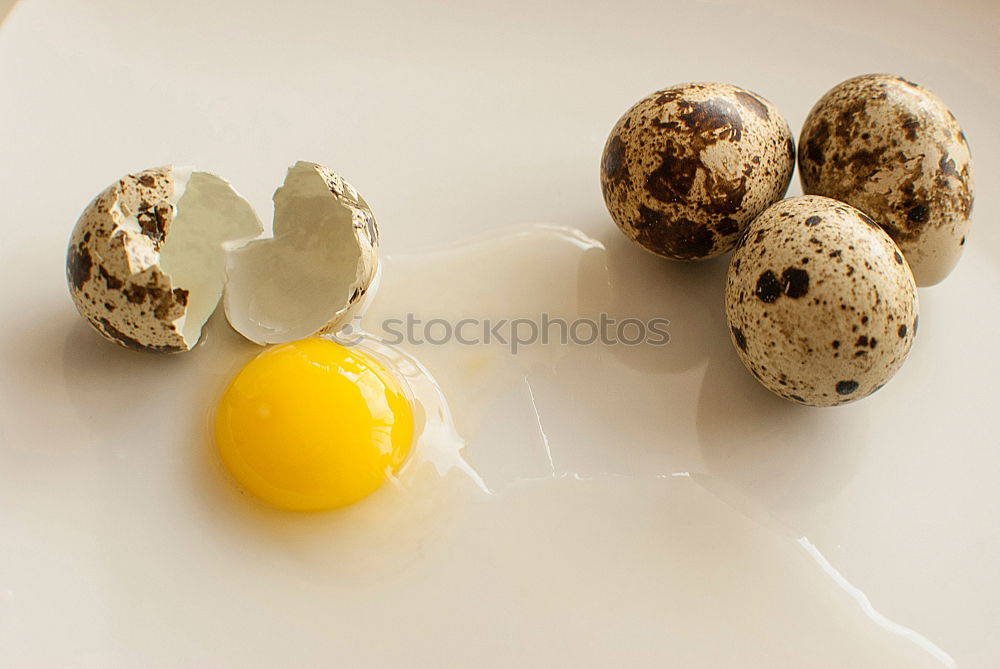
(152, 255)
(313, 274)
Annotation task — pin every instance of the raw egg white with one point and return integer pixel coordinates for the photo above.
(545, 451)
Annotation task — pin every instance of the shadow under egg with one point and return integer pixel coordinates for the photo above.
(121, 393)
(785, 457)
(691, 295)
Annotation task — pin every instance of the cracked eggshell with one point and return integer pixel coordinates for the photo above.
(316, 270)
(686, 169)
(144, 266)
(893, 149)
(821, 305)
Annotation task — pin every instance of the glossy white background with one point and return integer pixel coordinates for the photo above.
(688, 518)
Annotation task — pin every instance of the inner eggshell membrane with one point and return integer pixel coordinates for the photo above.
(208, 213)
(320, 261)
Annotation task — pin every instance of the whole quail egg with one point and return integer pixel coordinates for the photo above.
(152, 255)
(821, 304)
(893, 149)
(687, 168)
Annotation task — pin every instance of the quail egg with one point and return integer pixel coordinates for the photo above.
(821, 304)
(687, 168)
(893, 149)
(145, 263)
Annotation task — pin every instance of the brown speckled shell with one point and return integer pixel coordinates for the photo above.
(111, 270)
(687, 168)
(365, 231)
(893, 149)
(822, 307)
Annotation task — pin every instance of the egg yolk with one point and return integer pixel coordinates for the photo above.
(313, 425)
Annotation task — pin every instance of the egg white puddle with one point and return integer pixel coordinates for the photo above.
(500, 443)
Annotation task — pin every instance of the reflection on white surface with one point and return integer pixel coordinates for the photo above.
(917, 639)
(541, 430)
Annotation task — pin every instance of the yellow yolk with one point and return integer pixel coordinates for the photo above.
(313, 425)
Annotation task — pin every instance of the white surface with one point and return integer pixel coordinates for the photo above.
(864, 536)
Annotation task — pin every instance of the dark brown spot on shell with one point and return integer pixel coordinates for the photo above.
(613, 163)
(947, 167)
(667, 96)
(130, 342)
(753, 104)
(846, 387)
(768, 287)
(795, 282)
(155, 221)
(78, 264)
(725, 198)
(713, 116)
(673, 179)
(814, 143)
(918, 213)
(740, 339)
(846, 122)
(111, 281)
(136, 293)
(681, 238)
(727, 226)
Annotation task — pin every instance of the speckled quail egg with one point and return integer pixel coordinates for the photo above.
(821, 304)
(145, 263)
(893, 149)
(152, 255)
(686, 169)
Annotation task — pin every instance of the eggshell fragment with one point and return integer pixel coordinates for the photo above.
(686, 169)
(821, 305)
(894, 150)
(145, 262)
(319, 265)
